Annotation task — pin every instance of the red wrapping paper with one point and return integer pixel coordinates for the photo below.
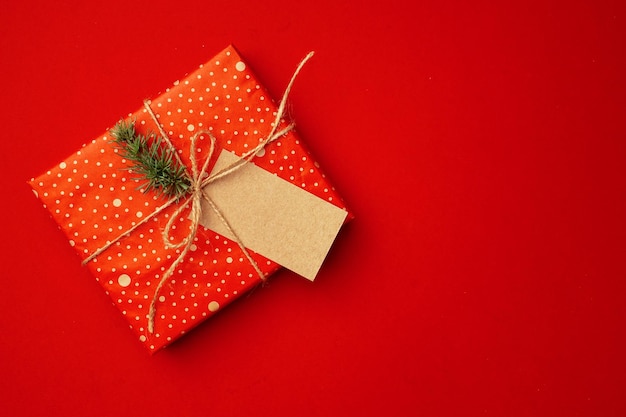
(93, 197)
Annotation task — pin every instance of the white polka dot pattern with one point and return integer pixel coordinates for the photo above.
(93, 198)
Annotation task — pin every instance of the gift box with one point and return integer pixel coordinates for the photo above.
(278, 209)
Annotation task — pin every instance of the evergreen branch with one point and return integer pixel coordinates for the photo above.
(152, 160)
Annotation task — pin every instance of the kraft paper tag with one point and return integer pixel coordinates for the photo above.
(273, 217)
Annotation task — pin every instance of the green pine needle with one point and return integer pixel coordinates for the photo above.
(152, 161)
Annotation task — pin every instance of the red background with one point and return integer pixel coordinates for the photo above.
(481, 147)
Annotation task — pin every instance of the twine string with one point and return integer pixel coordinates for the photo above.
(197, 194)
(195, 214)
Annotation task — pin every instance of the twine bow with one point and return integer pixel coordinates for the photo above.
(197, 194)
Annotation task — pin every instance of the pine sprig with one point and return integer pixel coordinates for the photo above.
(151, 160)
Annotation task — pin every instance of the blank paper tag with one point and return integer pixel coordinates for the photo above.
(273, 217)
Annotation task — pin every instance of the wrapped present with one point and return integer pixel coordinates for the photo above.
(251, 199)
